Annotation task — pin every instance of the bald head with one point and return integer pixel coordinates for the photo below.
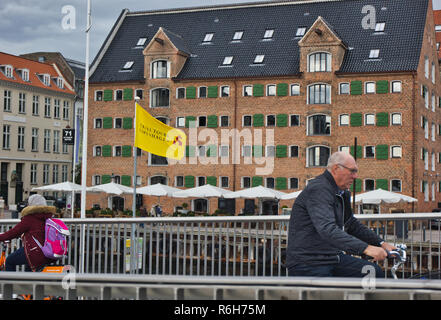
(343, 168)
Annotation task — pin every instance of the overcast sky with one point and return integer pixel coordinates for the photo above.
(59, 25)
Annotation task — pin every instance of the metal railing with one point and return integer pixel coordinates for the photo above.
(233, 246)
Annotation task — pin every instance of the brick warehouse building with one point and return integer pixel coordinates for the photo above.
(292, 70)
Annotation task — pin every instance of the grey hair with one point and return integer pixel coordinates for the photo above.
(337, 158)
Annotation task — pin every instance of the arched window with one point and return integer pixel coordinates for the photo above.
(158, 179)
(159, 69)
(319, 62)
(160, 97)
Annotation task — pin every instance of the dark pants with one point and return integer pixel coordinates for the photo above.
(17, 258)
(348, 266)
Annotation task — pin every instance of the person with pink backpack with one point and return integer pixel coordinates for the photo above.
(35, 230)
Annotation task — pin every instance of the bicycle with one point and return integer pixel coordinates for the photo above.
(46, 269)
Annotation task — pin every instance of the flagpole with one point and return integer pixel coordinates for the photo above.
(135, 155)
(85, 127)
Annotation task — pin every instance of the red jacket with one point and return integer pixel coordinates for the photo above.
(32, 226)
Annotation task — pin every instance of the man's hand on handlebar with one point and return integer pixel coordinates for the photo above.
(377, 253)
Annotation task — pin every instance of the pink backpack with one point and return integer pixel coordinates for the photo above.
(55, 241)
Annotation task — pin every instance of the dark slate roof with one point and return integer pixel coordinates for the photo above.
(399, 44)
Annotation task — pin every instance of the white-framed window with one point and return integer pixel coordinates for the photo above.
(319, 124)
(396, 151)
(21, 138)
(139, 93)
(344, 88)
(118, 95)
(66, 110)
(47, 80)
(22, 102)
(247, 151)
(33, 173)
(247, 91)
(319, 93)
(160, 69)
(247, 121)
(396, 119)
(97, 151)
(294, 89)
(159, 97)
(180, 122)
(35, 105)
(57, 108)
(294, 120)
(202, 121)
(270, 182)
(117, 151)
(293, 151)
(47, 140)
(369, 152)
(6, 136)
(343, 119)
(346, 149)
(224, 182)
(180, 93)
(271, 120)
(45, 174)
(379, 26)
(396, 86)
(141, 41)
(293, 183)
(317, 156)
(369, 87)
(60, 83)
(25, 74)
(99, 94)
(117, 123)
(34, 139)
(56, 144)
(224, 91)
(224, 121)
(369, 119)
(426, 67)
(270, 151)
(8, 71)
(245, 182)
(202, 92)
(369, 184)
(224, 151)
(64, 173)
(268, 34)
(98, 123)
(319, 62)
(55, 171)
(7, 94)
(179, 181)
(259, 58)
(395, 185)
(128, 65)
(271, 90)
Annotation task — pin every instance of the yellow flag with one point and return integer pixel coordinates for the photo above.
(153, 136)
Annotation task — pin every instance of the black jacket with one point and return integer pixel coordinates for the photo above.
(318, 232)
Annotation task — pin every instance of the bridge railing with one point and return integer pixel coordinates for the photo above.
(234, 246)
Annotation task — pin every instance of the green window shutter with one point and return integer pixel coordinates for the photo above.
(212, 180)
(212, 91)
(212, 121)
(381, 184)
(258, 120)
(189, 181)
(257, 151)
(127, 123)
(190, 92)
(212, 150)
(128, 94)
(190, 151)
(107, 123)
(382, 86)
(282, 89)
(359, 151)
(258, 90)
(126, 181)
(256, 181)
(356, 87)
(382, 151)
(281, 183)
(126, 151)
(356, 119)
(282, 120)
(382, 119)
(189, 119)
(106, 178)
(357, 185)
(108, 95)
(107, 151)
(281, 151)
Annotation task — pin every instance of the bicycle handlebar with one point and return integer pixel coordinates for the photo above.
(399, 255)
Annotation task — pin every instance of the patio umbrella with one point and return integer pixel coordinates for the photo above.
(158, 189)
(63, 187)
(111, 188)
(259, 192)
(382, 196)
(292, 195)
(205, 191)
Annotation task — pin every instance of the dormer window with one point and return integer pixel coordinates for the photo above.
(8, 71)
(60, 83)
(238, 35)
(46, 79)
(268, 34)
(319, 62)
(208, 37)
(159, 69)
(374, 54)
(25, 74)
(301, 31)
